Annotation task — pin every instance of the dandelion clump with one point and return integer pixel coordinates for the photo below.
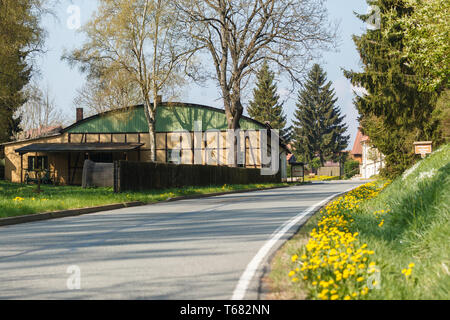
(334, 264)
(407, 272)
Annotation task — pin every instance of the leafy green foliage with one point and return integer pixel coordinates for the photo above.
(20, 37)
(426, 40)
(350, 168)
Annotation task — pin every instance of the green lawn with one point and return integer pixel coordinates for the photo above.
(410, 239)
(21, 199)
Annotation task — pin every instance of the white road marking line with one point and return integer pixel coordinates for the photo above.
(252, 267)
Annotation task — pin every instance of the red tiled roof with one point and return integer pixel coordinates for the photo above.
(40, 132)
(357, 147)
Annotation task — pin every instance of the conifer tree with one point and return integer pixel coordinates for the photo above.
(265, 106)
(393, 113)
(319, 130)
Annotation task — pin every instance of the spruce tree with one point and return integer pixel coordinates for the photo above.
(319, 130)
(265, 106)
(393, 113)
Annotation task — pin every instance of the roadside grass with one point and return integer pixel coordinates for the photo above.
(21, 199)
(410, 238)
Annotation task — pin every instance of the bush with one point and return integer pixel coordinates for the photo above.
(350, 168)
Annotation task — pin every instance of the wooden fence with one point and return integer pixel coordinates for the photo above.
(139, 176)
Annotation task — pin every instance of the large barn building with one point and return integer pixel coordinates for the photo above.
(123, 135)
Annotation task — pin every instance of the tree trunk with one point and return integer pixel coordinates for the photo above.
(150, 114)
(235, 113)
(152, 135)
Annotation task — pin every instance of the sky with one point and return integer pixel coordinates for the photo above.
(63, 80)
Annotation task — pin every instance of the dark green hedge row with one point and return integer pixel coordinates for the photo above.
(139, 176)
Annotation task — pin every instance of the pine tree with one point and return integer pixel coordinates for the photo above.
(265, 106)
(319, 130)
(393, 113)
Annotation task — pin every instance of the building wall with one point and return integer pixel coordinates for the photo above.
(13, 162)
(329, 171)
(370, 165)
(187, 141)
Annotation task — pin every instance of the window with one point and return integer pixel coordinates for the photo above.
(37, 163)
(174, 156)
(104, 157)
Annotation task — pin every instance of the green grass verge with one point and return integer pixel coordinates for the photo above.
(21, 199)
(415, 230)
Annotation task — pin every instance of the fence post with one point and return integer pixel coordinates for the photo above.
(116, 177)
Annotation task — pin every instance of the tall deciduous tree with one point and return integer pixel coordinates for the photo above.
(142, 38)
(40, 111)
(20, 37)
(108, 91)
(265, 106)
(319, 130)
(239, 35)
(426, 42)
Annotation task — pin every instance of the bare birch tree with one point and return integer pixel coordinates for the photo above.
(144, 39)
(39, 113)
(240, 34)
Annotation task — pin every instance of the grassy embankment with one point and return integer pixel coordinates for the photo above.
(21, 199)
(394, 246)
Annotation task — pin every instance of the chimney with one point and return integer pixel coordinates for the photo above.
(158, 99)
(79, 114)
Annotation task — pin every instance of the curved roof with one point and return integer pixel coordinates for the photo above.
(170, 116)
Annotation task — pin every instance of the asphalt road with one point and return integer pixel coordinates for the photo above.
(210, 248)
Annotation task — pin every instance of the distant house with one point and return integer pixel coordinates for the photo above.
(370, 159)
(39, 132)
(123, 134)
(356, 153)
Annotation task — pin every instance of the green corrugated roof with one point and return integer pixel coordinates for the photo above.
(169, 117)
